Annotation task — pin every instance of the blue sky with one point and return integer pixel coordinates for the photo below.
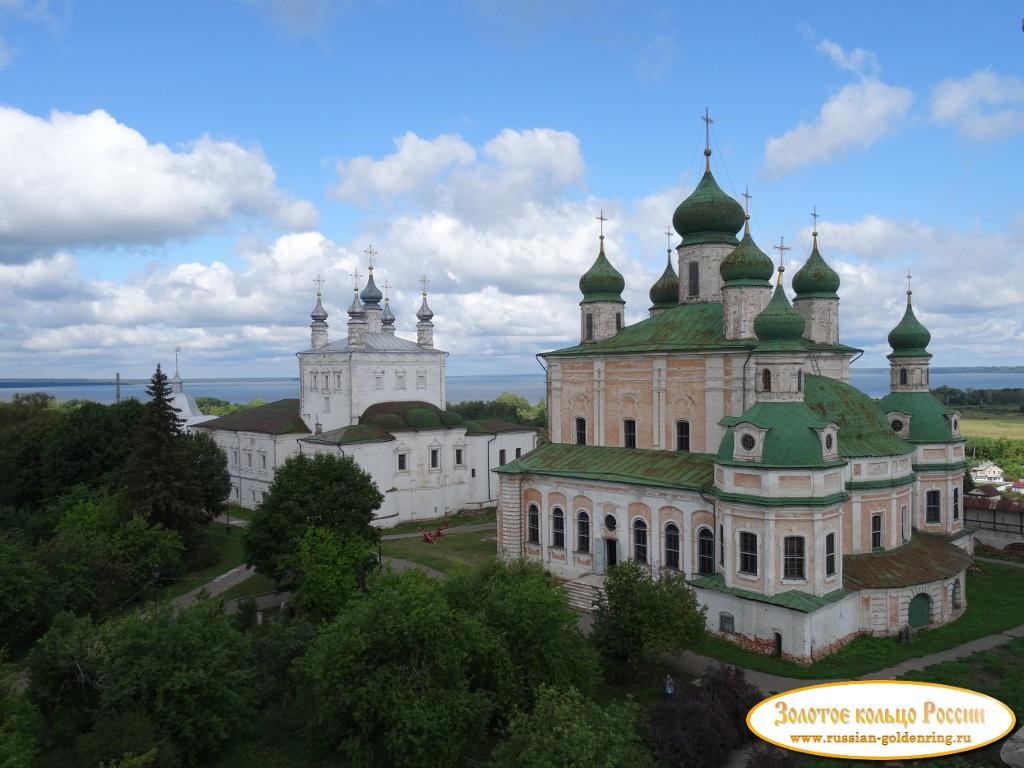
(176, 173)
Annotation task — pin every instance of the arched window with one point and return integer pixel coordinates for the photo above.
(672, 546)
(800, 380)
(589, 336)
(557, 528)
(705, 552)
(533, 525)
(903, 377)
(766, 380)
(581, 431)
(793, 558)
(721, 545)
(640, 541)
(830, 555)
(629, 433)
(618, 322)
(956, 503)
(932, 507)
(682, 435)
(582, 531)
(876, 531)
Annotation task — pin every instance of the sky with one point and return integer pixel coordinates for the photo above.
(177, 174)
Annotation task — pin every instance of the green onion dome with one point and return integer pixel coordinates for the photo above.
(779, 322)
(909, 338)
(602, 282)
(665, 291)
(816, 279)
(747, 264)
(708, 215)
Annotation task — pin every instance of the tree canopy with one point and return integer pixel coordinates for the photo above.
(324, 490)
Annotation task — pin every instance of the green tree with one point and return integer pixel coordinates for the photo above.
(25, 426)
(160, 484)
(390, 679)
(329, 568)
(19, 725)
(209, 467)
(568, 730)
(24, 607)
(540, 633)
(326, 491)
(637, 615)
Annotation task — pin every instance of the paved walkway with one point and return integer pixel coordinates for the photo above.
(998, 561)
(469, 528)
(236, 522)
(216, 586)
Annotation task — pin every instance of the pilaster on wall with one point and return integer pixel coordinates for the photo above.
(658, 422)
(554, 391)
(510, 517)
(714, 402)
(599, 424)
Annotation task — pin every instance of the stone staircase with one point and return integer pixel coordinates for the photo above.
(583, 592)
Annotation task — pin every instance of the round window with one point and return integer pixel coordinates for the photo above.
(609, 522)
(897, 425)
(748, 442)
(828, 442)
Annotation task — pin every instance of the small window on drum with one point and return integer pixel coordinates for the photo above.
(748, 443)
(897, 425)
(829, 442)
(956, 426)
(609, 522)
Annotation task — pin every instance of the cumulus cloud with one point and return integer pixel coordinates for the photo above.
(72, 179)
(855, 117)
(982, 106)
(973, 320)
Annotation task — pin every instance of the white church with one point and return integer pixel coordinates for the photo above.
(380, 399)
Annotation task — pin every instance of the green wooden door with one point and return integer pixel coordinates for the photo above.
(920, 610)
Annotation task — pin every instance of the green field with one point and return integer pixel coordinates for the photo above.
(447, 552)
(230, 553)
(992, 422)
(995, 602)
(462, 517)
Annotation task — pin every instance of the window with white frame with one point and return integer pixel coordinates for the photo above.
(672, 546)
(933, 507)
(533, 524)
(234, 458)
(421, 381)
(640, 541)
(399, 379)
(403, 462)
(459, 457)
(629, 433)
(337, 381)
(830, 555)
(581, 431)
(435, 458)
(248, 459)
(876, 531)
(793, 558)
(682, 435)
(557, 528)
(263, 462)
(582, 531)
(956, 503)
(705, 552)
(748, 553)
(378, 379)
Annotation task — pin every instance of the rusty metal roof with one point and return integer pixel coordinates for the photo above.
(926, 557)
(634, 466)
(278, 418)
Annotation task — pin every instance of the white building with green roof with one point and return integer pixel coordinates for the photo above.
(719, 440)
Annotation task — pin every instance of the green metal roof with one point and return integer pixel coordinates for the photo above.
(278, 418)
(602, 282)
(816, 279)
(863, 429)
(791, 440)
(665, 291)
(926, 557)
(779, 327)
(663, 469)
(682, 328)
(410, 414)
(494, 426)
(793, 599)
(909, 338)
(351, 435)
(708, 215)
(929, 421)
(747, 264)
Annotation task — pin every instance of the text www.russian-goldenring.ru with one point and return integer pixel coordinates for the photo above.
(884, 740)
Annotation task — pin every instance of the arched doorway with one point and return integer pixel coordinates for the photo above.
(920, 611)
(777, 649)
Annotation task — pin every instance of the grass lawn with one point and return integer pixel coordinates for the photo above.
(995, 602)
(230, 553)
(462, 517)
(257, 584)
(240, 513)
(984, 422)
(448, 552)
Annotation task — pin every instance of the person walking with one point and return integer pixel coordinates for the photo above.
(670, 686)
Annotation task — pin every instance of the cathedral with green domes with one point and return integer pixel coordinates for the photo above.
(719, 440)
